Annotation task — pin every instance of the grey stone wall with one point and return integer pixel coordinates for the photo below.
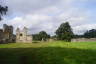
(6, 34)
(84, 40)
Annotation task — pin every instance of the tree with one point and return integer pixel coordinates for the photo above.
(43, 35)
(64, 32)
(78, 36)
(90, 34)
(36, 37)
(3, 10)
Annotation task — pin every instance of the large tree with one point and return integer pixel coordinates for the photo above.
(64, 32)
(3, 10)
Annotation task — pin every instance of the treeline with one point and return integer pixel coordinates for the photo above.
(64, 32)
(41, 36)
(88, 34)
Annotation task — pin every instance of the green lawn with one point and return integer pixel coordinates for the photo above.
(58, 52)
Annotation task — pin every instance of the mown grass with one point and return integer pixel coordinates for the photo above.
(57, 52)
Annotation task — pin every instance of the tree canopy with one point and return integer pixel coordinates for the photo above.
(64, 32)
(90, 34)
(3, 10)
(41, 36)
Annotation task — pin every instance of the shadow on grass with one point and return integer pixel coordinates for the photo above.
(47, 55)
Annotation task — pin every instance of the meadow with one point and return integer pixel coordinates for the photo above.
(57, 52)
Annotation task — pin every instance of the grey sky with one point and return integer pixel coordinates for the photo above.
(47, 15)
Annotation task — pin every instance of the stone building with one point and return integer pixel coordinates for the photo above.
(6, 34)
(22, 36)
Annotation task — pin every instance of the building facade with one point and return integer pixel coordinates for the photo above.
(6, 34)
(22, 36)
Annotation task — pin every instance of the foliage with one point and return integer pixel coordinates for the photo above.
(36, 37)
(41, 36)
(44, 35)
(3, 10)
(64, 32)
(90, 34)
(78, 36)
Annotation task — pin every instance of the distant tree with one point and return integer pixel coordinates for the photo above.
(90, 34)
(43, 35)
(3, 10)
(78, 36)
(64, 32)
(54, 37)
(36, 37)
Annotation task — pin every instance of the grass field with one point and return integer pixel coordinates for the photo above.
(58, 52)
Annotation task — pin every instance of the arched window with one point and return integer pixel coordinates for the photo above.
(21, 34)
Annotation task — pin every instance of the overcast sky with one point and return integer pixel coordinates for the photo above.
(47, 15)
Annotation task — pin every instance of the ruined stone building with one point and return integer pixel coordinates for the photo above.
(6, 34)
(22, 36)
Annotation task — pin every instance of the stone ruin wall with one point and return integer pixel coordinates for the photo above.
(27, 39)
(22, 36)
(6, 34)
(84, 40)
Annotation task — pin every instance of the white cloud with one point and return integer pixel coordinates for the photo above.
(83, 28)
(47, 15)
